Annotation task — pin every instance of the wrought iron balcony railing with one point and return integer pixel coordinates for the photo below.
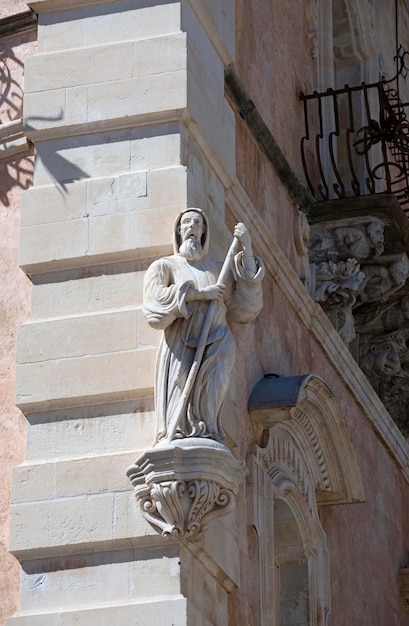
(356, 142)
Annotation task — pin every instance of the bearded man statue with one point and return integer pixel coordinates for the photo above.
(177, 292)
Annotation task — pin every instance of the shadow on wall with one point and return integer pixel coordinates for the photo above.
(53, 162)
(11, 92)
(15, 173)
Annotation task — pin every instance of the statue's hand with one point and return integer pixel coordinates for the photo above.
(243, 235)
(213, 292)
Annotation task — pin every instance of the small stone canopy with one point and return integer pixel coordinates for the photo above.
(302, 416)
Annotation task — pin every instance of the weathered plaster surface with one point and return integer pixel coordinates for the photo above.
(11, 7)
(15, 175)
(368, 541)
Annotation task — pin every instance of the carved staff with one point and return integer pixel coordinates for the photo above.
(190, 381)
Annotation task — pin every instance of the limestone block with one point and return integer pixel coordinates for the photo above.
(48, 242)
(44, 109)
(77, 336)
(71, 477)
(83, 380)
(206, 189)
(111, 234)
(115, 578)
(76, 104)
(87, 295)
(212, 602)
(53, 71)
(106, 155)
(164, 611)
(95, 196)
(103, 238)
(167, 187)
(92, 26)
(106, 63)
(123, 80)
(156, 147)
(132, 22)
(117, 194)
(205, 98)
(42, 205)
(33, 482)
(110, 62)
(69, 525)
(152, 96)
(221, 543)
(82, 157)
(55, 34)
(100, 430)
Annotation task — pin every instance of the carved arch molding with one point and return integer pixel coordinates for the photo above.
(304, 460)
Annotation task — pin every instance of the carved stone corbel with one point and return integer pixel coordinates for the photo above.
(359, 255)
(182, 485)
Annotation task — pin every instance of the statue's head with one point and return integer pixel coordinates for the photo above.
(191, 234)
(380, 355)
(375, 233)
(399, 271)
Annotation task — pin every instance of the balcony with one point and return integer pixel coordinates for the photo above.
(355, 153)
(356, 142)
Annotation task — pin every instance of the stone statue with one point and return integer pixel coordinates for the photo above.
(359, 242)
(381, 282)
(380, 356)
(335, 286)
(385, 317)
(182, 295)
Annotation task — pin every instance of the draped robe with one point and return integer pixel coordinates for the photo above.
(167, 282)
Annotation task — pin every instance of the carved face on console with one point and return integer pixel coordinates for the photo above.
(380, 356)
(375, 231)
(386, 360)
(398, 272)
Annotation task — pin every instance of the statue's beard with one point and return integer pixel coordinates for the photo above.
(191, 249)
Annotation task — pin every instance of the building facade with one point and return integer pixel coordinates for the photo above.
(114, 117)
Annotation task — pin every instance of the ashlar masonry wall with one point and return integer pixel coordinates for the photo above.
(125, 105)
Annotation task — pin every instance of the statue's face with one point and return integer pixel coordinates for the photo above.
(386, 360)
(191, 226)
(399, 273)
(375, 233)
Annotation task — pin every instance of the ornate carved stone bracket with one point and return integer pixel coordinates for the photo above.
(359, 268)
(183, 485)
(337, 250)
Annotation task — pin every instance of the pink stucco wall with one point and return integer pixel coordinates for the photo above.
(11, 7)
(15, 175)
(369, 542)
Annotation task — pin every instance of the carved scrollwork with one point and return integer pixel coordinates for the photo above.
(182, 487)
(182, 510)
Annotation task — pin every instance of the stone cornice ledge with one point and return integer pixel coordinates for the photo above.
(27, 20)
(12, 139)
(314, 318)
(46, 6)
